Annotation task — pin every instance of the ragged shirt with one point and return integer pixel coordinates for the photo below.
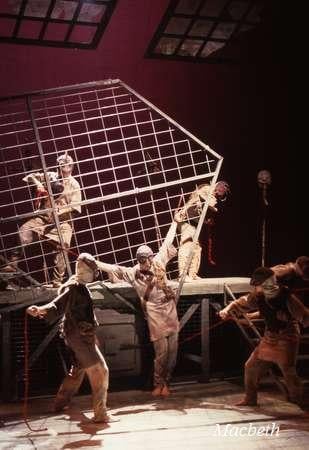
(79, 323)
(75, 305)
(160, 307)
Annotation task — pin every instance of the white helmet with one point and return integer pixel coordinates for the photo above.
(143, 252)
(65, 159)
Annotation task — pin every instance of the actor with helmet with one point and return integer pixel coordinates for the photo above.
(75, 305)
(188, 217)
(67, 202)
(158, 300)
(282, 313)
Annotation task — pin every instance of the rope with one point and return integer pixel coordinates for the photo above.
(189, 338)
(39, 197)
(210, 259)
(26, 378)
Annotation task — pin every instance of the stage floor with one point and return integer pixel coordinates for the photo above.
(195, 417)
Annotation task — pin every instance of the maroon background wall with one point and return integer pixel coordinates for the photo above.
(240, 110)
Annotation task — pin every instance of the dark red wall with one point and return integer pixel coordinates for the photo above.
(240, 110)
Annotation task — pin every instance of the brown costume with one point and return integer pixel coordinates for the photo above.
(295, 275)
(158, 301)
(67, 204)
(78, 327)
(282, 313)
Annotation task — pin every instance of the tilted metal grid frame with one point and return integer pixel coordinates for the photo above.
(136, 166)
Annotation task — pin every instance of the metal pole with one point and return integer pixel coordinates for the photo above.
(264, 212)
(48, 184)
(263, 240)
(264, 180)
(205, 360)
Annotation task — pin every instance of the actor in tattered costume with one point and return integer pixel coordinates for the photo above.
(282, 312)
(79, 324)
(158, 300)
(67, 207)
(188, 217)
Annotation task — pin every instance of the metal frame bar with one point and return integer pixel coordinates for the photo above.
(48, 184)
(6, 357)
(185, 155)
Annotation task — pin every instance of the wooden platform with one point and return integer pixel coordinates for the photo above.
(203, 286)
(196, 417)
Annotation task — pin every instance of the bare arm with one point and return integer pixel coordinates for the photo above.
(52, 310)
(105, 267)
(167, 251)
(116, 272)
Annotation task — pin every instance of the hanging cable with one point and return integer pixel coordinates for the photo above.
(26, 378)
(210, 258)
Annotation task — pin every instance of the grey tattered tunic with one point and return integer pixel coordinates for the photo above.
(161, 312)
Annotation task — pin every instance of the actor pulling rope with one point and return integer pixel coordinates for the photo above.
(282, 312)
(75, 305)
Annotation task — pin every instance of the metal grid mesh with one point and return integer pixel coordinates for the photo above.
(134, 164)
